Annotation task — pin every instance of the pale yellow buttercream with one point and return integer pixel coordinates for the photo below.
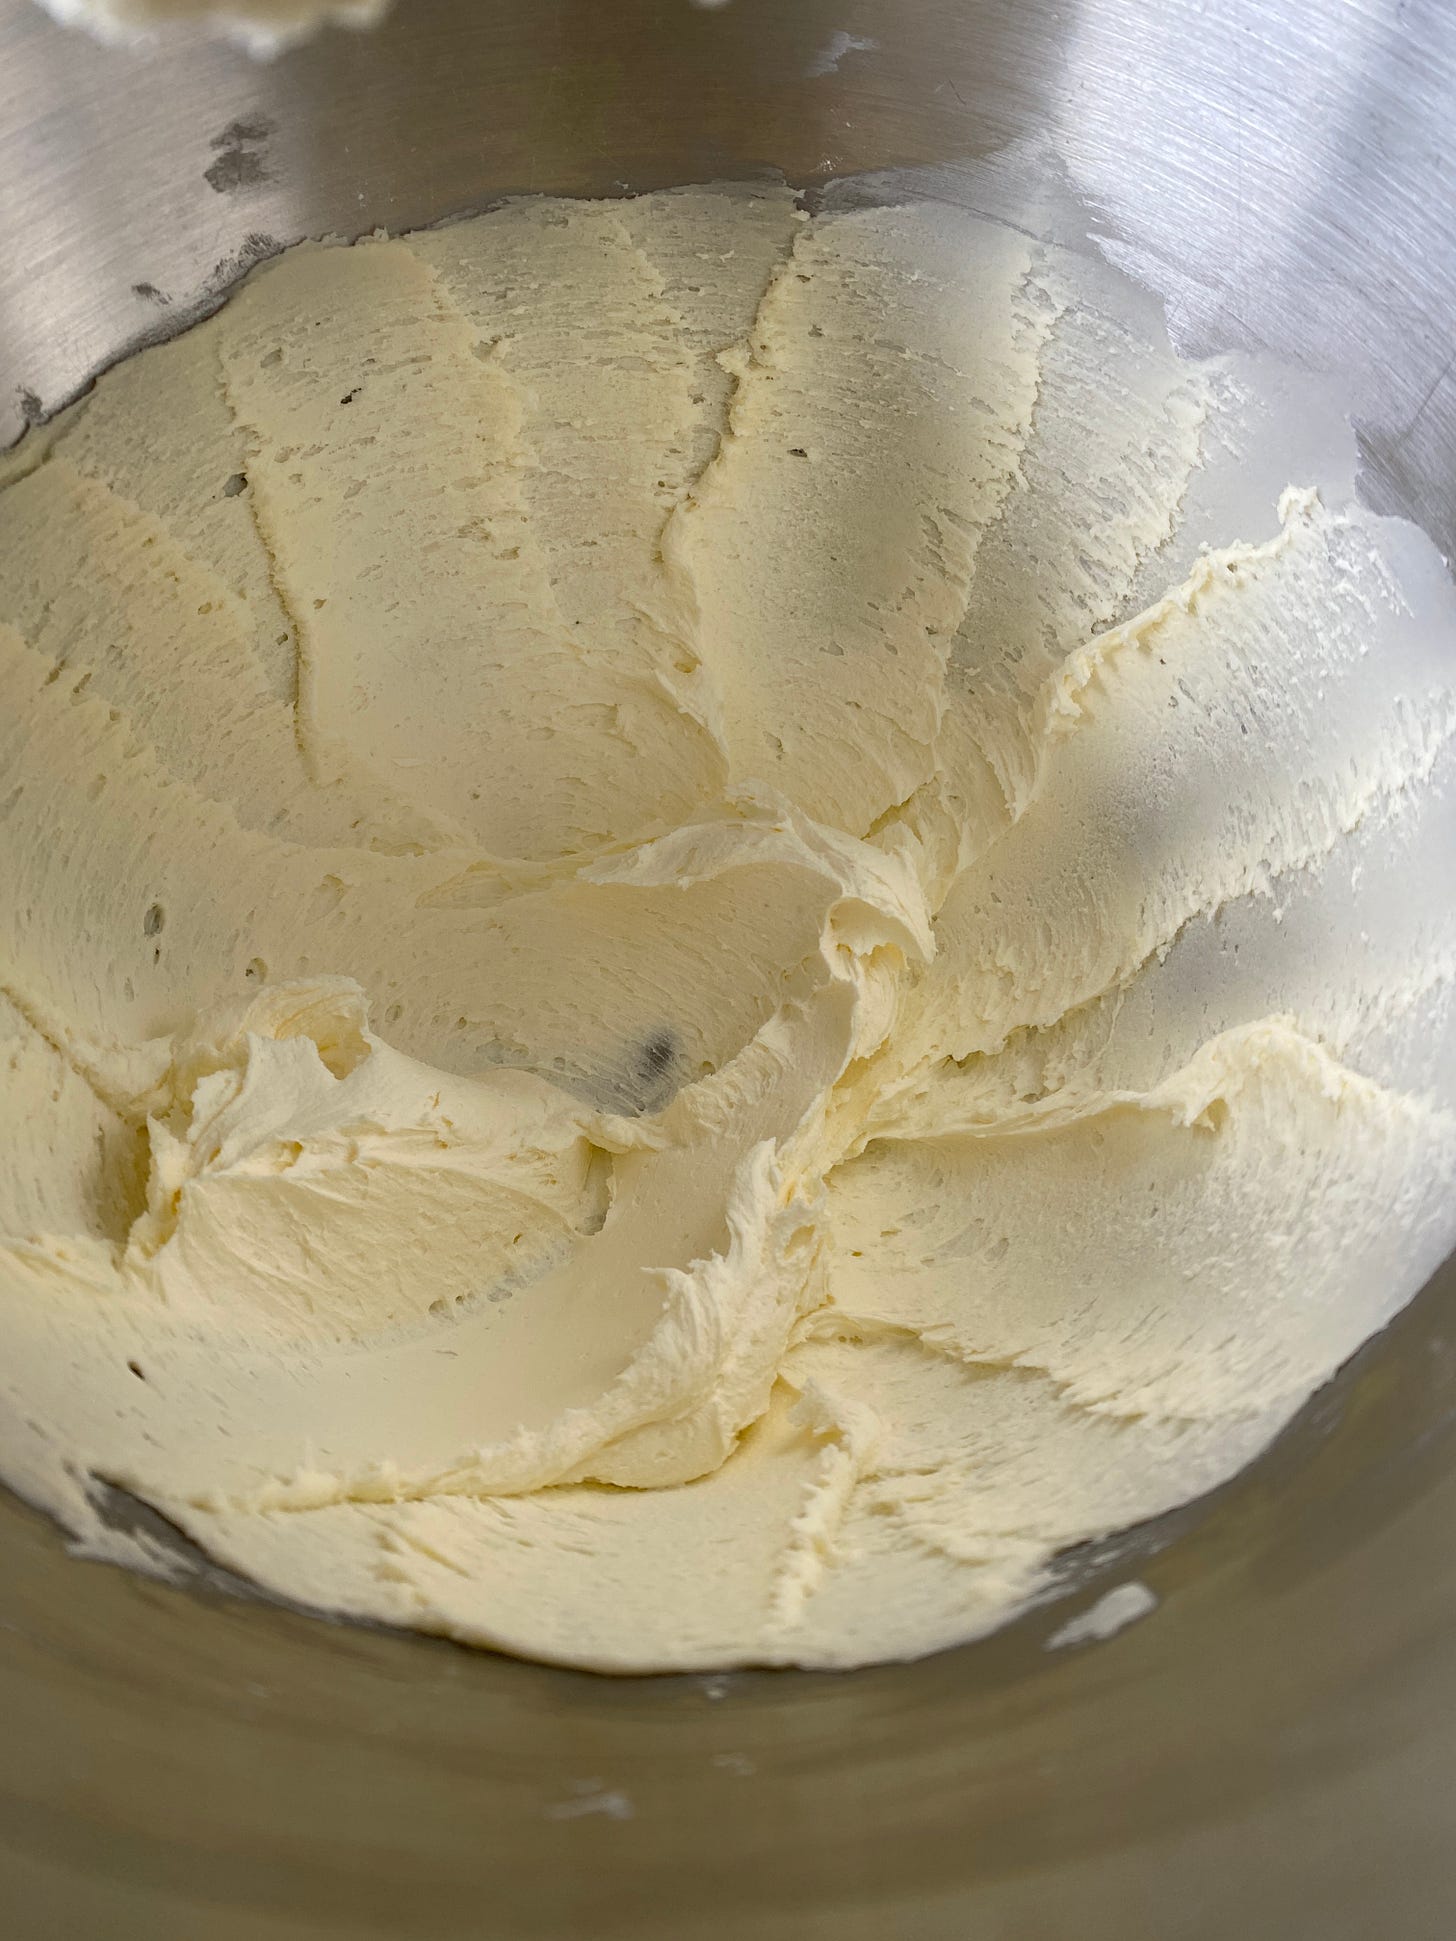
(683, 985)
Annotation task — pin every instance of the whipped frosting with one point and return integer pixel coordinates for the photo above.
(722, 924)
(263, 27)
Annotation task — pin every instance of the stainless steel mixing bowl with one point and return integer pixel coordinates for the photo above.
(1273, 1751)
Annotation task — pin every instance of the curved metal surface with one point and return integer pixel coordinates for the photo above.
(1272, 1752)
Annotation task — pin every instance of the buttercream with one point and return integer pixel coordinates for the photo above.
(262, 26)
(694, 967)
